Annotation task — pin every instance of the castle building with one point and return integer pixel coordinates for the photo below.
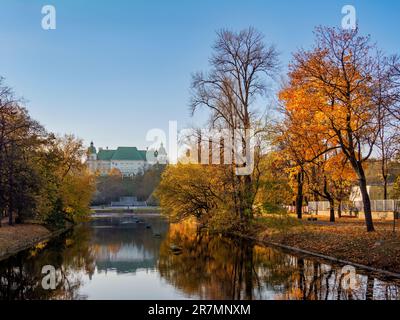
(127, 160)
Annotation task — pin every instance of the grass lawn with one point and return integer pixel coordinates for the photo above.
(345, 239)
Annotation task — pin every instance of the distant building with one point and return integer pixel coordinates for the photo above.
(127, 160)
(128, 202)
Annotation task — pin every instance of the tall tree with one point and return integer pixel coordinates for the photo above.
(20, 136)
(342, 69)
(40, 175)
(303, 141)
(240, 67)
(312, 152)
(385, 99)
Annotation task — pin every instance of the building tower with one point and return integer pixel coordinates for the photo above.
(91, 157)
(162, 157)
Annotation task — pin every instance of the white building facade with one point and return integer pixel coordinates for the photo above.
(128, 161)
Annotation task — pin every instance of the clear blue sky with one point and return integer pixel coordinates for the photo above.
(112, 70)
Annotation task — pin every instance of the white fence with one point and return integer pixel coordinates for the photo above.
(376, 206)
(315, 206)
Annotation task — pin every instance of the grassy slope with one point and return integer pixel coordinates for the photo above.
(346, 239)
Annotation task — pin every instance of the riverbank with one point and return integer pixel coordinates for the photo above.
(343, 241)
(20, 237)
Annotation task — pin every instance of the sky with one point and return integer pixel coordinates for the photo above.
(113, 70)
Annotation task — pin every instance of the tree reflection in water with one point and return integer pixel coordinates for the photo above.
(215, 267)
(21, 276)
(203, 267)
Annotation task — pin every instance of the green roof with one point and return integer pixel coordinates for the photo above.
(122, 153)
(128, 153)
(105, 154)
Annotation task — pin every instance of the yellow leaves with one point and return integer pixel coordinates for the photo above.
(69, 210)
(38, 248)
(308, 136)
(327, 104)
(76, 194)
(191, 189)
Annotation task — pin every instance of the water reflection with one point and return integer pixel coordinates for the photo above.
(145, 258)
(127, 244)
(21, 277)
(221, 268)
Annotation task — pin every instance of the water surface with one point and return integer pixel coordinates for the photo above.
(143, 257)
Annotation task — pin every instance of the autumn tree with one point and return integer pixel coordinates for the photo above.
(386, 98)
(330, 177)
(342, 70)
(20, 136)
(240, 65)
(342, 178)
(392, 80)
(295, 169)
(41, 175)
(387, 147)
(275, 191)
(112, 186)
(195, 190)
(301, 139)
(66, 185)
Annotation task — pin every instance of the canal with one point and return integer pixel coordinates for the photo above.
(145, 257)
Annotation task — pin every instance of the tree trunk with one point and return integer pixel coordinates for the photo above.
(331, 210)
(366, 201)
(248, 194)
(329, 197)
(10, 214)
(316, 199)
(299, 197)
(10, 190)
(339, 209)
(11, 196)
(385, 183)
(384, 171)
(369, 294)
(302, 284)
(394, 220)
(248, 270)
